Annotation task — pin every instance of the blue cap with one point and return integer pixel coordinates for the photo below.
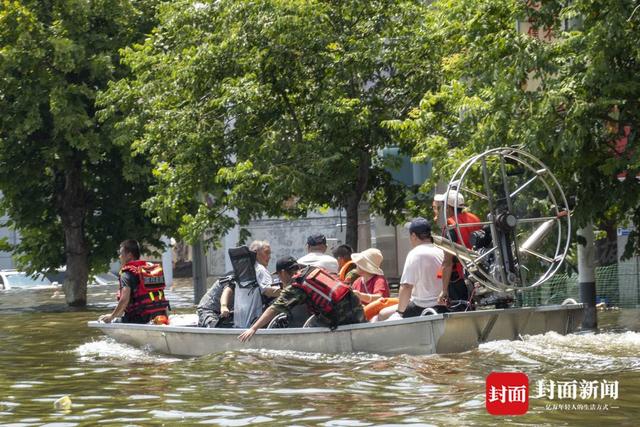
(420, 226)
(316, 239)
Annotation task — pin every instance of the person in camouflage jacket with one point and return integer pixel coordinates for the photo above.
(347, 311)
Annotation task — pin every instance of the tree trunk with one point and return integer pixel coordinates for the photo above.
(73, 211)
(352, 222)
(354, 198)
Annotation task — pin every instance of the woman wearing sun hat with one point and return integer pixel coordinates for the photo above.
(371, 287)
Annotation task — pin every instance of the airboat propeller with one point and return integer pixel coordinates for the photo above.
(524, 233)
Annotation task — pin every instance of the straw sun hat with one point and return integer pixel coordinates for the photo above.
(369, 260)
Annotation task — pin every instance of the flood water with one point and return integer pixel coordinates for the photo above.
(47, 352)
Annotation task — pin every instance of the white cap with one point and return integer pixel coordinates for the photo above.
(451, 200)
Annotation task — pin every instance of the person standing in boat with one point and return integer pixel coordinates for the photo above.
(247, 302)
(420, 285)
(141, 296)
(316, 248)
(452, 270)
(330, 300)
(437, 205)
(346, 267)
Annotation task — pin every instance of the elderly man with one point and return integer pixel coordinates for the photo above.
(316, 248)
(247, 301)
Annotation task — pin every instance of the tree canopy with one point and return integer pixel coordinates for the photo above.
(68, 189)
(272, 107)
(566, 90)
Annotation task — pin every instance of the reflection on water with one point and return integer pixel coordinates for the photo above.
(47, 352)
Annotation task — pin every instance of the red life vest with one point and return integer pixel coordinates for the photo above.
(324, 290)
(148, 298)
(465, 232)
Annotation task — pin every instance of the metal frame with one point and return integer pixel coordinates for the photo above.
(509, 280)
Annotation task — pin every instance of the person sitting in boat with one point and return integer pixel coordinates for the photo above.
(346, 267)
(452, 270)
(247, 302)
(141, 296)
(215, 309)
(420, 285)
(316, 248)
(330, 300)
(371, 287)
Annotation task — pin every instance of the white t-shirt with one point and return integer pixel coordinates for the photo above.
(421, 270)
(247, 302)
(263, 276)
(318, 259)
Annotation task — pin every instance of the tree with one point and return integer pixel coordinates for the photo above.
(71, 192)
(585, 58)
(272, 107)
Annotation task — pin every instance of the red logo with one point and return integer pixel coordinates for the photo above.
(507, 393)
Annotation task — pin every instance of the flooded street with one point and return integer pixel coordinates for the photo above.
(47, 352)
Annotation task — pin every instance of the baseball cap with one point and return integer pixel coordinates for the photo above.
(316, 239)
(451, 200)
(285, 263)
(419, 226)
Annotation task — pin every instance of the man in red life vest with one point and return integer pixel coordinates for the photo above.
(330, 300)
(452, 271)
(141, 290)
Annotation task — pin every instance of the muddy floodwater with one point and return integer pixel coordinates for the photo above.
(47, 352)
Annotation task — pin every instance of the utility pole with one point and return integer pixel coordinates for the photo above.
(587, 277)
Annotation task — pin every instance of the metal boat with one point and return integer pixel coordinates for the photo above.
(519, 246)
(441, 333)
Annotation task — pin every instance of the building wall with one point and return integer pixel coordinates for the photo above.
(12, 237)
(286, 237)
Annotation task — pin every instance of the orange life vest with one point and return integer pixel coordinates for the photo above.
(148, 297)
(347, 267)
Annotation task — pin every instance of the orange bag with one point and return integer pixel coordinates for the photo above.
(374, 308)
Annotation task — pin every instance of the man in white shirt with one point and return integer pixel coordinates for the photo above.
(316, 257)
(247, 302)
(420, 285)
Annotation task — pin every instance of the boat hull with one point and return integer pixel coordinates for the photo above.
(443, 333)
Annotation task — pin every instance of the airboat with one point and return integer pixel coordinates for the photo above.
(520, 244)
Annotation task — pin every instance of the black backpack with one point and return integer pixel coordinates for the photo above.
(243, 261)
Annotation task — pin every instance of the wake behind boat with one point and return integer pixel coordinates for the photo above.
(441, 333)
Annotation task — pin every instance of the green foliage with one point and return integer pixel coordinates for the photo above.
(588, 92)
(54, 58)
(270, 107)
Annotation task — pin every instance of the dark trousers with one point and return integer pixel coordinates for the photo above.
(458, 290)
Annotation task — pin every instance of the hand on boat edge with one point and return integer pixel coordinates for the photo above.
(246, 335)
(105, 318)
